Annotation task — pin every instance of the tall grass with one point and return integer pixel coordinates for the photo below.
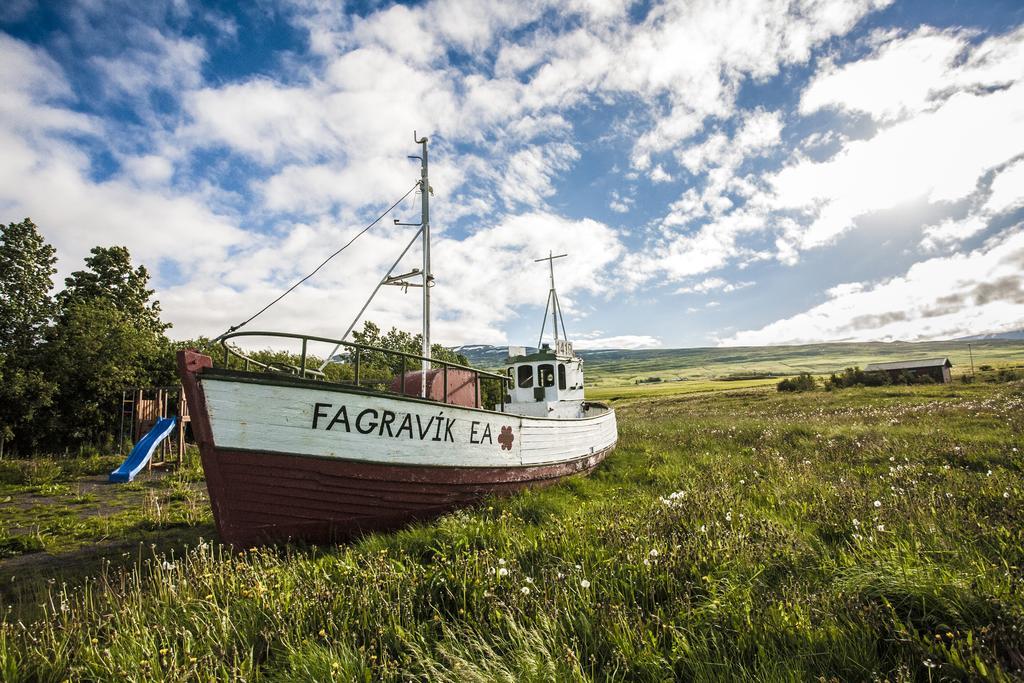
(868, 534)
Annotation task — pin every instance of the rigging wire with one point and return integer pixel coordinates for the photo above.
(322, 264)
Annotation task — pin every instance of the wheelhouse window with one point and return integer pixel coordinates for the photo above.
(525, 376)
(561, 376)
(547, 375)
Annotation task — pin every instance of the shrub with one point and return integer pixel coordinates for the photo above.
(12, 546)
(30, 472)
(802, 382)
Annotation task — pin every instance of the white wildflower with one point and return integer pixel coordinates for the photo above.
(878, 503)
(503, 572)
(654, 552)
(584, 583)
(525, 590)
(501, 562)
(881, 527)
(856, 523)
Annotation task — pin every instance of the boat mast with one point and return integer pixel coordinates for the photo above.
(427, 277)
(556, 309)
(402, 280)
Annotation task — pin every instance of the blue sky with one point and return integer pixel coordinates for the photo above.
(760, 172)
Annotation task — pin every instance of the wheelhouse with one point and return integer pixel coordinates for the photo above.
(547, 382)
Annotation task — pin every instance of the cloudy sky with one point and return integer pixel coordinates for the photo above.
(748, 172)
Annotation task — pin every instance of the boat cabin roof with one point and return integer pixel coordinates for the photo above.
(563, 352)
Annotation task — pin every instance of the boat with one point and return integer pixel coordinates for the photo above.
(292, 456)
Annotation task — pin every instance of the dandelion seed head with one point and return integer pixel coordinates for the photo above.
(878, 503)
(584, 583)
(502, 572)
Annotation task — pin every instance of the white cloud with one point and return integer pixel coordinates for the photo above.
(940, 298)
(660, 175)
(901, 78)
(950, 231)
(935, 152)
(625, 341)
(711, 284)
(527, 176)
(620, 203)
(1007, 191)
(153, 60)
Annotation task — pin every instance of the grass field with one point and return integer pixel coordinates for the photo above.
(622, 367)
(850, 535)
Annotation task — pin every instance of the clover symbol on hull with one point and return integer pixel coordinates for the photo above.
(506, 438)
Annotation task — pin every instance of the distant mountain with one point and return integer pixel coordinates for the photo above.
(483, 355)
(490, 356)
(1015, 335)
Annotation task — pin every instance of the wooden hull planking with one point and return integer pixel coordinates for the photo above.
(302, 461)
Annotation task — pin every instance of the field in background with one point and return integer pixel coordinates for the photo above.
(860, 534)
(609, 391)
(618, 368)
(702, 369)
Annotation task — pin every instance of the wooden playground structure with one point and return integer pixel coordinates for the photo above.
(141, 407)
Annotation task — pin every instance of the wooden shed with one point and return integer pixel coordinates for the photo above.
(936, 368)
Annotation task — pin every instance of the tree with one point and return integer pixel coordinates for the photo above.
(398, 340)
(96, 351)
(26, 278)
(110, 277)
(26, 308)
(108, 336)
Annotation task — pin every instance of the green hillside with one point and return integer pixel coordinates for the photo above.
(616, 374)
(627, 367)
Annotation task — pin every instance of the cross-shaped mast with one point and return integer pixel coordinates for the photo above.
(552, 303)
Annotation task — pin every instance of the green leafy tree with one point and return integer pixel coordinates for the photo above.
(381, 367)
(96, 351)
(26, 308)
(398, 340)
(108, 336)
(109, 276)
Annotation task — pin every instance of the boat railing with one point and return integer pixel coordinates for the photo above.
(357, 352)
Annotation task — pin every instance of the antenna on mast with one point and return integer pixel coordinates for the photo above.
(552, 303)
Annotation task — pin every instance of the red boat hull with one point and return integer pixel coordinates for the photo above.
(259, 497)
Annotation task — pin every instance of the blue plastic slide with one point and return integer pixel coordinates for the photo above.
(143, 451)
